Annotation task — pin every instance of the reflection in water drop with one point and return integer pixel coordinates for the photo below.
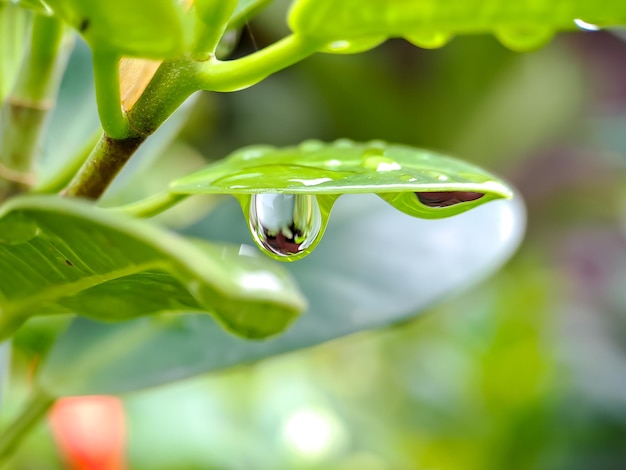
(586, 26)
(285, 224)
(447, 198)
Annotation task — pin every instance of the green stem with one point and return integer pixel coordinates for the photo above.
(33, 412)
(24, 113)
(107, 83)
(57, 181)
(169, 87)
(211, 27)
(151, 206)
(14, 22)
(233, 75)
(172, 84)
(103, 164)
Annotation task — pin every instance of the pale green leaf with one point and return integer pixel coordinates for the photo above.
(138, 28)
(354, 25)
(66, 256)
(375, 266)
(395, 172)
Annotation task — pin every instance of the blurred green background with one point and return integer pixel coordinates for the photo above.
(526, 371)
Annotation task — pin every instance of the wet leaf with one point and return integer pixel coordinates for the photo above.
(346, 167)
(354, 25)
(64, 256)
(287, 194)
(375, 266)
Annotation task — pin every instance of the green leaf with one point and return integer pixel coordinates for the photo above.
(313, 175)
(65, 256)
(395, 172)
(355, 25)
(139, 28)
(376, 266)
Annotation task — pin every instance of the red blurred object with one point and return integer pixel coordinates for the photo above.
(90, 432)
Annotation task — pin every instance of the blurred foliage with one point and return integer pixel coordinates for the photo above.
(526, 372)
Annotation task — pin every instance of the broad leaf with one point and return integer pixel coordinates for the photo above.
(355, 25)
(346, 167)
(376, 266)
(287, 194)
(64, 256)
(137, 28)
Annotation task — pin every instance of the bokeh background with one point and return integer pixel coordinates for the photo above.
(525, 371)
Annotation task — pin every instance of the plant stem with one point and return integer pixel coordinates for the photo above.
(107, 83)
(32, 413)
(170, 86)
(151, 206)
(233, 75)
(103, 164)
(25, 110)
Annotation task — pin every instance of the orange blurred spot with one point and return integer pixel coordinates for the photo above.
(90, 432)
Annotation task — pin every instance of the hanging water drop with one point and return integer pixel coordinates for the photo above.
(446, 198)
(524, 39)
(429, 39)
(285, 224)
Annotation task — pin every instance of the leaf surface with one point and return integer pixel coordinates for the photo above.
(355, 25)
(375, 266)
(65, 256)
(139, 28)
(395, 172)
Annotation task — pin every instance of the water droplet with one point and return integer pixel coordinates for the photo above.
(582, 24)
(311, 145)
(524, 39)
(374, 158)
(343, 143)
(429, 39)
(446, 198)
(353, 46)
(285, 224)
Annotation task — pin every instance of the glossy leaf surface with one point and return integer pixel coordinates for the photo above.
(354, 25)
(344, 167)
(375, 266)
(139, 28)
(64, 256)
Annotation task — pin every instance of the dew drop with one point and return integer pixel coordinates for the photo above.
(311, 145)
(353, 46)
(446, 198)
(429, 40)
(373, 158)
(524, 39)
(285, 224)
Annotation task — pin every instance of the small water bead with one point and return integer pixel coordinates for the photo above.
(429, 39)
(446, 198)
(524, 39)
(352, 46)
(285, 224)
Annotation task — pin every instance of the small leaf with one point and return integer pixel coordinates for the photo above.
(139, 28)
(376, 266)
(521, 25)
(65, 256)
(346, 167)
